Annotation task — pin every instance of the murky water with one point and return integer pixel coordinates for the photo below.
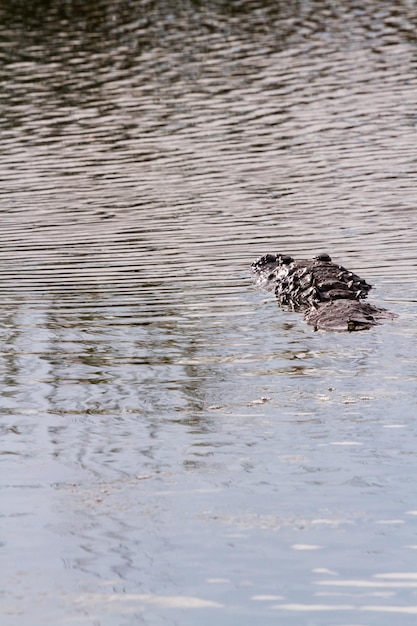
(175, 449)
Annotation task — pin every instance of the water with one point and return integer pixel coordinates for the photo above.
(175, 449)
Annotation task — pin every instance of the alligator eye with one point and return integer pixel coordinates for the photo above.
(323, 257)
(268, 258)
(285, 259)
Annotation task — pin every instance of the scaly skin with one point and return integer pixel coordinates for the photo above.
(328, 293)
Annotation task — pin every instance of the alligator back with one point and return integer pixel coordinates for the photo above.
(329, 294)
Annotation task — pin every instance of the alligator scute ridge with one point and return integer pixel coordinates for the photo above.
(329, 294)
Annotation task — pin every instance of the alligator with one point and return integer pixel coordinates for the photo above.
(328, 294)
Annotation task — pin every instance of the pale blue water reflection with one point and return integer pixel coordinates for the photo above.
(253, 471)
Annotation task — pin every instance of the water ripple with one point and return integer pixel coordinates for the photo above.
(166, 432)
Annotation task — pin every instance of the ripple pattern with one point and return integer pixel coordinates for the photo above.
(175, 449)
(131, 158)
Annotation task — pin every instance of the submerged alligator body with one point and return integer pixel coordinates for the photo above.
(329, 294)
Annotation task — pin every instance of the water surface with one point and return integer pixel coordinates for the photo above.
(175, 449)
